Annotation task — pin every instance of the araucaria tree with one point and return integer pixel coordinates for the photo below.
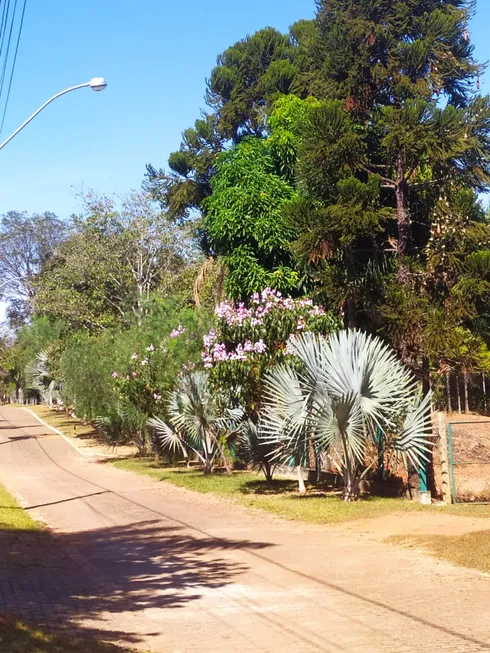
(390, 165)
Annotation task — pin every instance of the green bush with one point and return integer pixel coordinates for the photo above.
(94, 367)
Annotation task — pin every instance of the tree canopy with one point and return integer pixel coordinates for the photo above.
(346, 160)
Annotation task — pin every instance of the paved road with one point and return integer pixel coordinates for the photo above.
(179, 573)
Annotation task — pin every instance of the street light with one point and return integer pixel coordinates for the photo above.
(96, 84)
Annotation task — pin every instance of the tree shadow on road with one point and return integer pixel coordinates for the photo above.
(62, 580)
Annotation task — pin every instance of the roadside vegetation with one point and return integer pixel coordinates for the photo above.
(303, 283)
(19, 637)
(468, 550)
(70, 426)
(318, 506)
(12, 517)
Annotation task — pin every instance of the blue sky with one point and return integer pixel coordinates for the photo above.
(155, 56)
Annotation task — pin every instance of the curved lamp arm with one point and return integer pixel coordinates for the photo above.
(98, 84)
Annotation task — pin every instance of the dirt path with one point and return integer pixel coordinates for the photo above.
(177, 572)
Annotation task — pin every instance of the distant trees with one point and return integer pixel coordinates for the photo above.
(111, 262)
(26, 245)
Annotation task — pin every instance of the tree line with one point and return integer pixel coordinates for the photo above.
(345, 161)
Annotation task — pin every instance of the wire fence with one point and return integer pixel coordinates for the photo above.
(469, 460)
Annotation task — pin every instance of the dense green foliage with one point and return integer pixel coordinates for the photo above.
(345, 162)
(126, 372)
(245, 224)
(380, 134)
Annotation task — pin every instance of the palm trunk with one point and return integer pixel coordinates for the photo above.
(222, 454)
(301, 481)
(268, 471)
(318, 465)
(351, 477)
(208, 466)
(351, 484)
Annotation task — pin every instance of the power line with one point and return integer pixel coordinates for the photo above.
(7, 52)
(13, 65)
(8, 26)
(3, 24)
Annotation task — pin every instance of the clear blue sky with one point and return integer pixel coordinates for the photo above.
(155, 56)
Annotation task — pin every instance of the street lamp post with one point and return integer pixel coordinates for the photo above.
(96, 84)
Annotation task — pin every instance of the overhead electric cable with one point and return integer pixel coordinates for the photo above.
(3, 23)
(13, 65)
(6, 58)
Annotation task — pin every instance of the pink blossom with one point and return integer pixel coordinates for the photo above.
(115, 375)
(176, 333)
(260, 347)
(305, 302)
(271, 295)
(248, 346)
(210, 339)
(255, 321)
(240, 353)
(134, 374)
(300, 325)
(207, 360)
(144, 362)
(289, 346)
(317, 311)
(219, 352)
(156, 396)
(224, 310)
(134, 357)
(150, 348)
(242, 314)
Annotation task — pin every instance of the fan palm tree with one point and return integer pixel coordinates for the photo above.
(39, 377)
(254, 450)
(336, 394)
(196, 421)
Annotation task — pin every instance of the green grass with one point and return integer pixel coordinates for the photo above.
(70, 426)
(18, 637)
(12, 517)
(468, 550)
(248, 489)
(17, 527)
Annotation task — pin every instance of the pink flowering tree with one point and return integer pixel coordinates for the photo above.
(142, 383)
(249, 339)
